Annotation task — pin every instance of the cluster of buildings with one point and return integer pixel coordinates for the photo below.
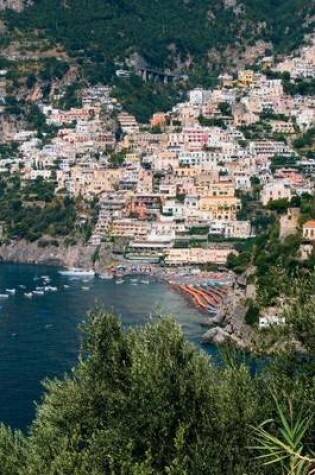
(171, 190)
(301, 66)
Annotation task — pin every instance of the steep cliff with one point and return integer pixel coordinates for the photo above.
(31, 253)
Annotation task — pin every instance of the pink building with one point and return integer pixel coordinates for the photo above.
(195, 138)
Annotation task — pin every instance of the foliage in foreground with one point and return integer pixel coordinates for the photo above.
(288, 448)
(146, 402)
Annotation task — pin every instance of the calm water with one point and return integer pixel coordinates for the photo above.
(39, 337)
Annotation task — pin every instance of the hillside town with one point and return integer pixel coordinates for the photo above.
(174, 191)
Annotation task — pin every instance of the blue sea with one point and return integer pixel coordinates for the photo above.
(39, 337)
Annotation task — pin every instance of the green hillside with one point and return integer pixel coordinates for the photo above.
(197, 38)
(164, 31)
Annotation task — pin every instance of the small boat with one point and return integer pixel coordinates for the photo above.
(38, 292)
(145, 282)
(85, 288)
(51, 288)
(74, 272)
(4, 296)
(66, 286)
(10, 291)
(22, 286)
(28, 295)
(133, 281)
(106, 275)
(45, 277)
(40, 288)
(120, 281)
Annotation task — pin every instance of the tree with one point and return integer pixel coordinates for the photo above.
(252, 314)
(142, 402)
(288, 450)
(147, 402)
(12, 451)
(31, 81)
(225, 108)
(280, 205)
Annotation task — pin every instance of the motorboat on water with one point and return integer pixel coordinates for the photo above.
(38, 292)
(120, 281)
(4, 296)
(21, 286)
(10, 291)
(28, 295)
(50, 288)
(106, 276)
(86, 288)
(74, 272)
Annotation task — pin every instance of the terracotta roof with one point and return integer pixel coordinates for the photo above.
(309, 224)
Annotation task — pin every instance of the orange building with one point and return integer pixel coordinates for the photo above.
(158, 120)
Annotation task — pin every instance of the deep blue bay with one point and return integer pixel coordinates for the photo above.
(39, 337)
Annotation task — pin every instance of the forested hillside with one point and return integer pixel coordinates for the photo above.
(178, 34)
(196, 39)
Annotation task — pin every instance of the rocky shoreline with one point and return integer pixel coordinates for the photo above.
(23, 252)
(229, 326)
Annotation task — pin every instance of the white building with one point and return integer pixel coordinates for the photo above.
(275, 191)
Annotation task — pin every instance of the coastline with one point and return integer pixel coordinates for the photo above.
(24, 252)
(226, 324)
(214, 294)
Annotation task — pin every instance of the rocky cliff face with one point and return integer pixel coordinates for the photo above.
(17, 5)
(31, 253)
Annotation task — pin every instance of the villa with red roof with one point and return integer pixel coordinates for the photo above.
(309, 230)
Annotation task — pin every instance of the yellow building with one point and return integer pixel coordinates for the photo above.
(245, 78)
(129, 228)
(132, 157)
(220, 202)
(196, 255)
(90, 182)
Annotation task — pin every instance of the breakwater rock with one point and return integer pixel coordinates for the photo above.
(231, 326)
(31, 253)
(219, 336)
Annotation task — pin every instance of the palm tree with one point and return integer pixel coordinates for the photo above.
(289, 448)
